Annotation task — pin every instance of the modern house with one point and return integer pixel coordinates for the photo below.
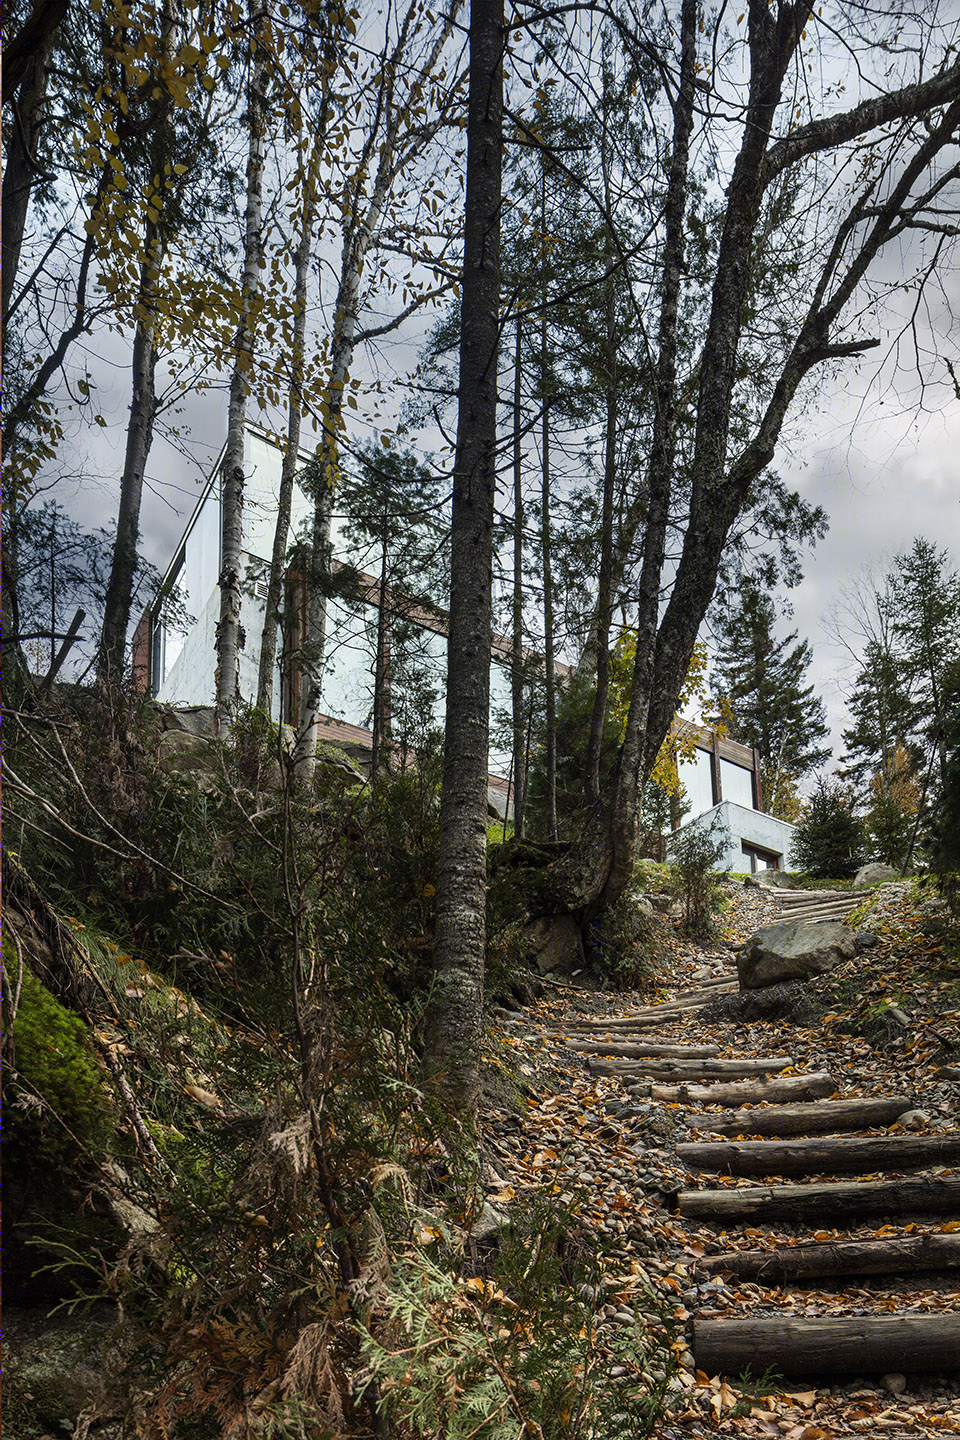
(722, 784)
(178, 667)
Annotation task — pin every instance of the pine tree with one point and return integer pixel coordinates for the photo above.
(885, 713)
(758, 682)
(396, 523)
(926, 627)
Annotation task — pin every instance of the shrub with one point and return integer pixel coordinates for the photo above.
(828, 841)
(695, 850)
(631, 947)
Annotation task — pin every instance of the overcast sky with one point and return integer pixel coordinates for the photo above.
(883, 462)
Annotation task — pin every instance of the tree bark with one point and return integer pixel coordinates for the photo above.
(143, 402)
(899, 1255)
(605, 584)
(28, 99)
(455, 1017)
(842, 1346)
(817, 1119)
(379, 759)
(233, 478)
(841, 1155)
(546, 548)
(840, 1200)
(291, 453)
(518, 717)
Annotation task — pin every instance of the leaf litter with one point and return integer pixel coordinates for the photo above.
(610, 1156)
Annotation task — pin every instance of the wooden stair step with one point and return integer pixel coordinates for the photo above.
(842, 1199)
(697, 1070)
(741, 1092)
(834, 1345)
(837, 1155)
(812, 1117)
(812, 1260)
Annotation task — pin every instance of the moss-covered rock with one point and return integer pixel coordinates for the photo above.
(53, 1367)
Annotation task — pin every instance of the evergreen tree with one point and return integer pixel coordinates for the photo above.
(885, 713)
(758, 683)
(926, 627)
(944, 847)
(396, 521)
(828, 843)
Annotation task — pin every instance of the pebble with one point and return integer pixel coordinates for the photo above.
(895, 1383)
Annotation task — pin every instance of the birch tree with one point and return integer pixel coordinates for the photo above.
(229, 636)
(411, 96)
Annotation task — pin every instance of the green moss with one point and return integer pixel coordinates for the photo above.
(55, 1107)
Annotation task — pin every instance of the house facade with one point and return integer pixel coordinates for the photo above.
(722, 785)
(177, 665)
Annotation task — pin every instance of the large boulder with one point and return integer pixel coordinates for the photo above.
(554, 945)
(874, 874)
(771, 879)
(793, 950)
(184, 755)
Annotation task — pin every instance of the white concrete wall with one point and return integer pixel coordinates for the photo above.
(751, 826)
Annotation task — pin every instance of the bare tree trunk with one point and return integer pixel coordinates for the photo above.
(360, 232)
(379, 759)
(605, 595)
(229, 633)
(143, 403)
(21, 169)
(291, 454)
(455, 1018)
(518, 718)
(546, 546)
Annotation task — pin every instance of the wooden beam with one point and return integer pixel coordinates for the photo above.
(895, 1255)
(820, 1118)
(837, 1155)
(835, 1200)
(835, 1346)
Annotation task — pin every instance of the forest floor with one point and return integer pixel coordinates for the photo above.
(611, 1155)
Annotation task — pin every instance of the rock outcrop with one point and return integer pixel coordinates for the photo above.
(793, 950)
(874, 874)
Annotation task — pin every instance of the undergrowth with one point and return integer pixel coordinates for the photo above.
(241, 973)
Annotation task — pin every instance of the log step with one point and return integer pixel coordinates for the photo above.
(893, 1255)
(652, 1013)
(822, 1117)
(811, 897)
(840, 1155)
(647, 1052)
(742, 1092)
(834, 1346)
(840, 1200)
(697, 1070)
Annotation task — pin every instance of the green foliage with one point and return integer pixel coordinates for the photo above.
(758, 682)
(943, 851)
(828, 841)
(630, 946)
(56, 1111)
(513, 1354)
(695, 850)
